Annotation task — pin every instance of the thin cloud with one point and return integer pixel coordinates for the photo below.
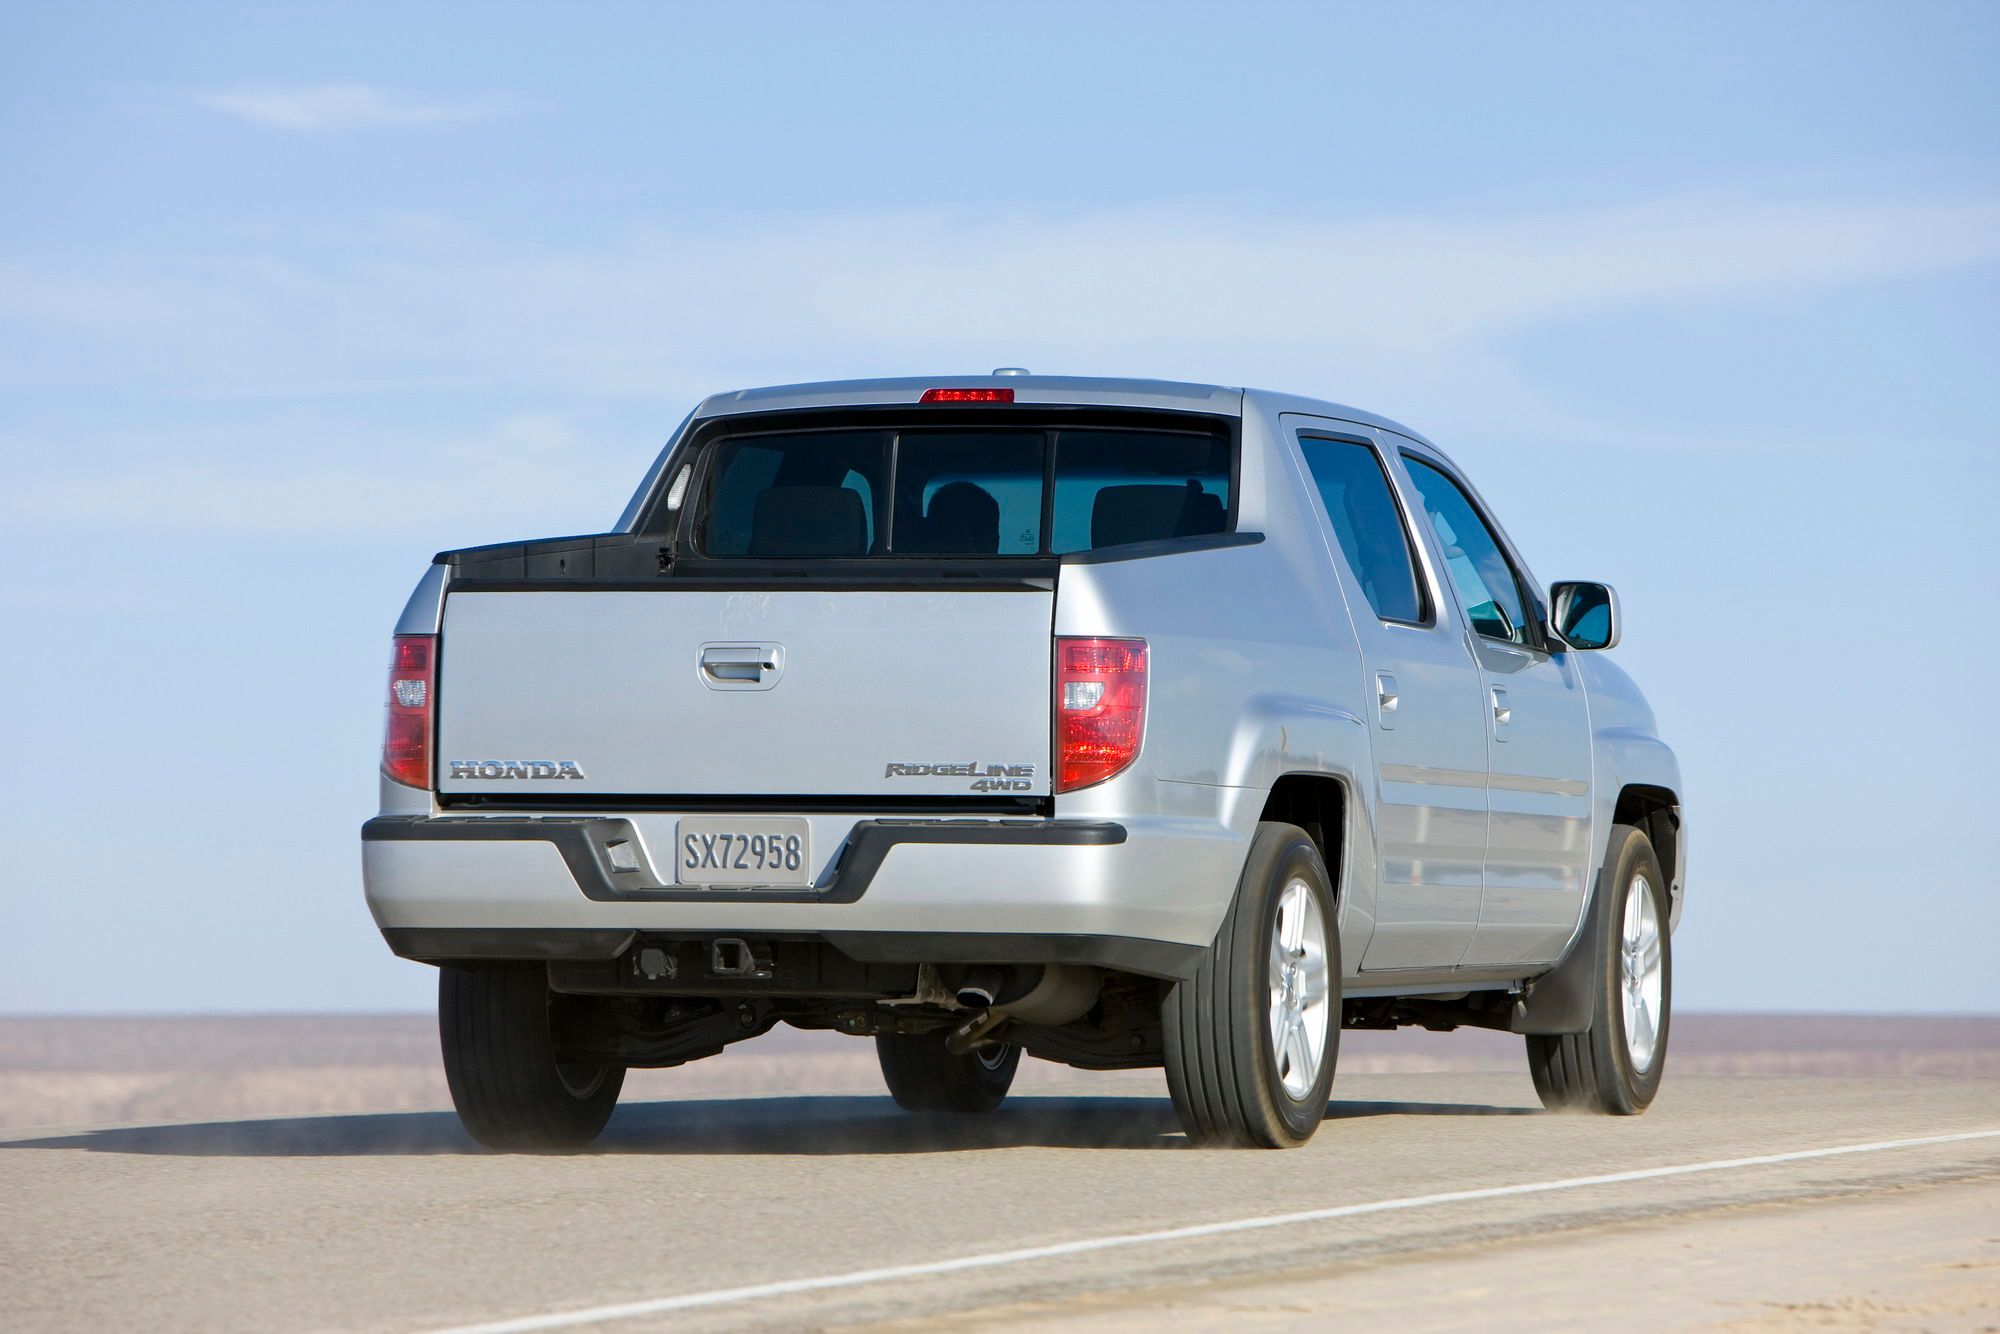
(345, 106)
(1205, 295)
(513, 476)
(1418, 316)
(1383, 310)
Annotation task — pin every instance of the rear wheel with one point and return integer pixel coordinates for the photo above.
(1615, 1066)
(1252, 1037)
(500, 1061)
(924, 1077)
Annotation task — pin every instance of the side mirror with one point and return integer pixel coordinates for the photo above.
(1584, 615)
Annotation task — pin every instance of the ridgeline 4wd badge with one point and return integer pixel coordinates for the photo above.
(986, 777)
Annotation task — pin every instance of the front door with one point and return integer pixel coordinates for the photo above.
(1423, 695)
(1538, 726)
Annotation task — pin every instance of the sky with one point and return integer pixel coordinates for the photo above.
(1705, 299)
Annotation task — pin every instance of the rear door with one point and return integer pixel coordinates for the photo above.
(1423, 687)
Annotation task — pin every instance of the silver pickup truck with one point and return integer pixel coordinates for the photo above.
(1115, 722)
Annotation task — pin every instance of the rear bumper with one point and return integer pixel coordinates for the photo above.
(1153, 958)
(583, 842)
(1142, 896)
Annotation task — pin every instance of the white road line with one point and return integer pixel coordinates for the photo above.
(592, 1315)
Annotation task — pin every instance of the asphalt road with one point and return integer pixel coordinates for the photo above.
(396, 1222)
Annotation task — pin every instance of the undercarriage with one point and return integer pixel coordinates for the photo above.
(668, 1000)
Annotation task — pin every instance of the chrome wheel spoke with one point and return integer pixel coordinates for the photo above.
(1644, 1024)
(1313, 988)
(1298, 1057)
(1291, 922)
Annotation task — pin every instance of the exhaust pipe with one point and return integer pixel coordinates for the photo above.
(1063, 992)
(981, 988)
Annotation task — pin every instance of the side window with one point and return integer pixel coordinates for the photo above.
(1480, 571)
(1370, 529)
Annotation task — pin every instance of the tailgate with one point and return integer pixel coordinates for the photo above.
(703, 692)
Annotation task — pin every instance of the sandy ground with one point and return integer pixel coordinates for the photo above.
(1919, 1258)
(298, 1173)
(394, 1221)
(76, 1071)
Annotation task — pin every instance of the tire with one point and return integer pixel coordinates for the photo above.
(500, 1060)
(1234, 1084)
(923, 1077)
(1612, 1067)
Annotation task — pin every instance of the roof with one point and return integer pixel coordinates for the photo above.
(1102, 391)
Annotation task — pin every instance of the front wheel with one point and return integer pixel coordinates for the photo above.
(500, 1061)
(1252, 1037)
(1615, 1066)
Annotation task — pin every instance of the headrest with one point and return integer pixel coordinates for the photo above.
(1151, 511)
(808, 521)
(1204, 513)
(964, 519)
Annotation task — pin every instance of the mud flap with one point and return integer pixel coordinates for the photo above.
(1564, 999)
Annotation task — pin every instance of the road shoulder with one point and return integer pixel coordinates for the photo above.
(1919, 1257)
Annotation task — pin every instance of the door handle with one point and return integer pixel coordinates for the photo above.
(734, 669)
(741, 666)
(1386, 698)
(1503, 712)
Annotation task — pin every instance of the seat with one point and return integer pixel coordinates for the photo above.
(808, 521)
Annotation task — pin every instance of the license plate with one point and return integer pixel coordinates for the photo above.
(743, 850)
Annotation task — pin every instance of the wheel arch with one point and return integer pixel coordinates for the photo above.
(1638, 783)
(1316, 802)
(1657, 811)
(1327, 807)
(1306, 755)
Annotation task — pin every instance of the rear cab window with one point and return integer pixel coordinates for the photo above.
(941, 490)
(1117, 487)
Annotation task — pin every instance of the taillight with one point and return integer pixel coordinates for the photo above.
(406, 742)
(1100, 708)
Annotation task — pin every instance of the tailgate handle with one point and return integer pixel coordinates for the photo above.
(741, 666)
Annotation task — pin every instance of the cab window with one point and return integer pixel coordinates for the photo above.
(1368, 526)
(1487, 585)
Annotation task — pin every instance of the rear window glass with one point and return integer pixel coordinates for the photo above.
(969, 493)
(1115, 487)
(960, 492)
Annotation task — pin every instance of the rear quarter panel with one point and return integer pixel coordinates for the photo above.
(1254, 672)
